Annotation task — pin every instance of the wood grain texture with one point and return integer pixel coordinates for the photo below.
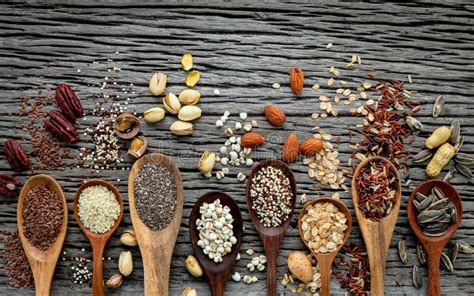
(240, 49)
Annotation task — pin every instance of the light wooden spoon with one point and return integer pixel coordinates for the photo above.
(98, 240)
(434, 245)
(42, 263)
(217, 274)
(271, 236)
(377, 235)
(325, 259)
(157, 246)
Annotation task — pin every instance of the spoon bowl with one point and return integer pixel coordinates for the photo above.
(156, 246)
(43, 263)
(377, 234)
(271, 236)
(97, 240)
(434, 245)
(217, 274)
(325, 259)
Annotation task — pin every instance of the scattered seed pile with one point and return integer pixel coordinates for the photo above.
(98, 208)
(15, 262)
(48, 153)
(155, 195)
(271, 196)
(376, 187)
(42, 216)
(356, 278)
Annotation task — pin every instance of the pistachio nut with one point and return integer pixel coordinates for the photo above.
(154, 115)
(115, 281)
(125, 263)
(206, 163)
(192, 78)
(128, 238)
(187, 61)
(158, 83)
(189, 113)
(138, 147)
(189, 292)
(189, 97)
(171, 103)
(181, 128)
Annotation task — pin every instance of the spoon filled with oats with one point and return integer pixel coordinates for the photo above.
(324, 225)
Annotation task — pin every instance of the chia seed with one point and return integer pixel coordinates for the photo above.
(155, 195)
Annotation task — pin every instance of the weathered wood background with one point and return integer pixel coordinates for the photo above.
(241, 50)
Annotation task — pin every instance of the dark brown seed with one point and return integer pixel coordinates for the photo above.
(464, 170)
(424, 204)
(422, 156)
(438, 193)
(464, 159)
(416, 277)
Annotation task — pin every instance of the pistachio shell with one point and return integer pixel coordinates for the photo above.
(189, 113)
(138, 147)
(192, 265)
(187, 61)
(125, 263)
(207, 162)
(189, 292)
(192, 78)
(189, 97)
(181, 128)
(158, 83)
(154, 115)
(127, 125)
(171, 103)
(128, 238)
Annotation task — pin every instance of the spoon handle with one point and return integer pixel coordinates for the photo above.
(325, 265)
(272, 247)
(43, 278)
(97, 275)
(156, 268)
(217, 283)
(433, 273)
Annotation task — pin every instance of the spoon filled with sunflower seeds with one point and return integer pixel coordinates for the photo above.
(434, 212)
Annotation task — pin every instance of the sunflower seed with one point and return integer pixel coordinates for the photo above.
(438, 106)
(453, 252)
(449, 175)
(420, 196)
(416, 277)
(438, 193)
(425, 203)
(464, 247)
(464, 159)
(422, 156)
(414, 124)
(455, 132)
(429, 216)
(421, 254)
(402, 251)
(446, 262)
(440, 204)
(434, 232)
(458, 144)
(464, 170)
(453, 215)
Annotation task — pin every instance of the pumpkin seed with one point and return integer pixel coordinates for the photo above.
(446, 262)
(464, 247)
(416, 277)
(402, 251)
(438, 106)
(421, 254)
(464, 159)
(464, 170)
(455, 132)
(422, 156)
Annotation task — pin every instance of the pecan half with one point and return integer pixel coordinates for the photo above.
(16, 155)
(60, 127)
(68, 102)
(8, 185)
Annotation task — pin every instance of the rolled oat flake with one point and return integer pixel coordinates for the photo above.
(155, 195)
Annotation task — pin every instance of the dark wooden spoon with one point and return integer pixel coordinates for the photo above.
(98, 240)
(325, 259)
(377, 234)
(271, 236)
(217, 274)
(434, 245)
(43, 263)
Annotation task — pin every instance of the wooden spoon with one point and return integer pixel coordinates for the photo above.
(157, 246)
(217, 274)
(377, 235)
(42, 263)
(434, 245)
(98, 240)
(271, 236)
(325, 259)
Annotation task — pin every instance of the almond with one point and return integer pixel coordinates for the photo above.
(274, 115)
(311, 147)
(251, 140)
(290, 148)
(296, 80)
